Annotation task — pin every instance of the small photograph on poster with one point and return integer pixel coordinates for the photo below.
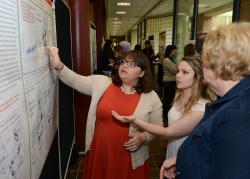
(162, 44)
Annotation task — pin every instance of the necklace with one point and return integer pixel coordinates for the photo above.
(131, 92)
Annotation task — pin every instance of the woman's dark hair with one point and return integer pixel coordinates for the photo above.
(189, 50)
(107, 44)
(145, 83)
(198, 46)
(137, 47)
(147, 42)
(168, 50)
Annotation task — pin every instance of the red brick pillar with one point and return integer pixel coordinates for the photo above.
(100, 22)
(81, 61)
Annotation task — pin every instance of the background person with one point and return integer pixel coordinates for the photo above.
(108, 56)
(137, 47)
(149, 52)
(169, 72)
(115, 150)
(189, 50)
(123, 48)
(198, 46)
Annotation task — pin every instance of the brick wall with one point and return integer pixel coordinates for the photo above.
(245, 10)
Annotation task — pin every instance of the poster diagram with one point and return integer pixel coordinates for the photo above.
(14, 131)
(162, 44)
(28, 87)
(12, 159)
(39, 80)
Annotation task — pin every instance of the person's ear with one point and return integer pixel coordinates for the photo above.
(142, 74)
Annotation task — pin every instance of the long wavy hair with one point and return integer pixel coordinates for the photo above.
(199, 88)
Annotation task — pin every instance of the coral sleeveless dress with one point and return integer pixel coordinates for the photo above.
(107, 158)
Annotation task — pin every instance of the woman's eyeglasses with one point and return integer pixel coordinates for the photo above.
(130, 64)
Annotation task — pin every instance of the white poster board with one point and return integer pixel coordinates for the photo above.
(27, 87)
(93, 49)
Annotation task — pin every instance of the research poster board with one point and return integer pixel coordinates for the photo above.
(93, 50)
(28, 87)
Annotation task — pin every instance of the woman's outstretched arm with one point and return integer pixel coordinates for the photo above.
(180, 128)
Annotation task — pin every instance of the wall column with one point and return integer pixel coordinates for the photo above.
(244, 11)
(100, 22)
(81, 61)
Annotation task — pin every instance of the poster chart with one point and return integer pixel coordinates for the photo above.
(162, 44)
(93, 50)
(28, 87)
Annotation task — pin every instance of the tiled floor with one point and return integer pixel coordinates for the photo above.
(157, 155)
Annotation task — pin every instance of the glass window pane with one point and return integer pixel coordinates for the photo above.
(213, 14)
(184, 19)
(160, 28)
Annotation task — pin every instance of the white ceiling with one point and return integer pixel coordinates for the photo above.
(146, 8)
(137, 10)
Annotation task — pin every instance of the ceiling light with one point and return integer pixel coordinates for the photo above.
(203, 6)
(230, 14)
(117, 22)
(121, 12)
(116, 18)
(123, 3)
(181, 13)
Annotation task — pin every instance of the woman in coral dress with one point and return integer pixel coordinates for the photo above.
(115, 150)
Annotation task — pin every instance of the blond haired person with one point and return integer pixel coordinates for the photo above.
(219, 147)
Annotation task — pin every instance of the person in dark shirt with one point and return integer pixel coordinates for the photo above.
(108, 55)
(189, 50)
(149, 52)
(137, 47)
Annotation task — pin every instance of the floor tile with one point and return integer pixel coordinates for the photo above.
(157, 156)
